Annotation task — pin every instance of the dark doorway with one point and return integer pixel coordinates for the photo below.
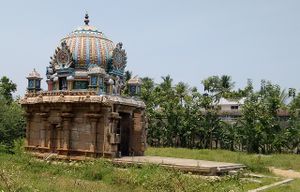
(53, 138)
(63, 83)
(124, 131)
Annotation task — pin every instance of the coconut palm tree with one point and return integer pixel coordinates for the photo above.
(181, 91)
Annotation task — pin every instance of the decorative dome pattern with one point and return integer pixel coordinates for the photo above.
(89, 46)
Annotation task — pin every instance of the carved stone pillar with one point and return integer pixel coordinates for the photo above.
(113, 141)
(106, 129)
(28, 120)
(114, 121)
(93, 147)
(144, 132)
(47, 134)
(59, 136)
(43, 128)
(66, 129)
(139, 132)
(93, 118)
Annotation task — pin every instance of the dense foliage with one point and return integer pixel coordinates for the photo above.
(12, 122)
(181, 116)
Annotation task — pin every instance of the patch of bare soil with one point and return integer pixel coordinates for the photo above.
(285, 173)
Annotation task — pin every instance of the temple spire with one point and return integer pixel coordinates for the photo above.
(86, 19)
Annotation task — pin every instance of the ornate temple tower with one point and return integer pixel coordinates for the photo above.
(134, 86)
(82, 113)
(34, 81)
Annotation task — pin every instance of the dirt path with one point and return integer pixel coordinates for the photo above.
(290, 175)
(285, 173)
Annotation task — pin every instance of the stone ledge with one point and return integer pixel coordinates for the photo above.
(106, 100)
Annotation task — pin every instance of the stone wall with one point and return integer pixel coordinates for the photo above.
(84, 129)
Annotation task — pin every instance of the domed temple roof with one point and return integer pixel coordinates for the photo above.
(82, 57)
(89, 46)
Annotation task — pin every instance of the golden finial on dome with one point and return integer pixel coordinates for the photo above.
(86, 19)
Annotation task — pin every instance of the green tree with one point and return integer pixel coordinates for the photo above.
(127, 77)
(218, 86)
(260, 127)
(240, 93)
(12, 122)
(182, 116)
(293, 130)
(7, 87)
(226, 84)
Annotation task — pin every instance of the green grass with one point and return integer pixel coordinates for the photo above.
(254, 162)
(21, 172)
(294, 186)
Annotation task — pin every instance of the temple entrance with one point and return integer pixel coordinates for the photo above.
(53, 138)
(63, 83)
(124, 131)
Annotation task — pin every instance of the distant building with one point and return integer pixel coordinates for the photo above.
(230, 110)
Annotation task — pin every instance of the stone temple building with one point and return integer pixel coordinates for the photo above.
(83, 113)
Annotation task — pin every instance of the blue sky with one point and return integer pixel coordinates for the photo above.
(190, 40)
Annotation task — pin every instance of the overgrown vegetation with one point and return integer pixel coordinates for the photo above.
(20, 172)
(181, 116)
(12, 123)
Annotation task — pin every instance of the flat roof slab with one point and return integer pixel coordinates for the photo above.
(186, 165)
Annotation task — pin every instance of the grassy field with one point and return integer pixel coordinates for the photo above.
(254, 162)
(20, 172)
